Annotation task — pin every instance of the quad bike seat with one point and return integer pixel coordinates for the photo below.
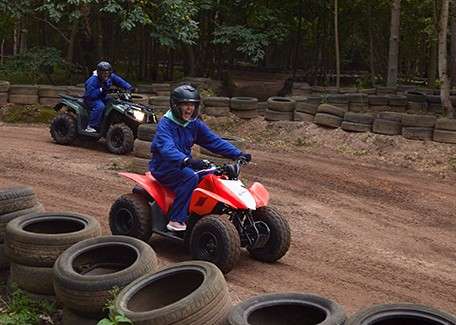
(80, 100)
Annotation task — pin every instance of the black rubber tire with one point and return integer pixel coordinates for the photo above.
(415, 120)
(358, 107)
(358, 98)
(218, 111)
(287, 308)
(281, 104)
(363, 118)
(390, 314)
(355, 127)
(416, 97)
(140, 98)
(331, 109)
(146, 132)
(279, 239)
(37, 239)
(16, 198)
(386, 90)
(139, 165)
(417, 133)
(446, 124)
(444, 136)
(141, 149)
(5, 218)
(306, 107)
(28, 90)
(243, 103)
(51, 91)
(390, 116)
(417, 108)
(300, 116)
(72, 318)
(216, 102)
(120, 139)
(245, 114)
(375, 100)
(397, 100)
(64, 128)
(193, 292)
(135, 207)
(337, 99)
(328, 120)
(277, 116)
(23, 99)
(217, 231)
(115, 261)
(4, 260)
(33, 279)
(386, 127)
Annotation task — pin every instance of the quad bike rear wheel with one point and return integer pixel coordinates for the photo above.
(215, 239)
(279, 236)
(63, 128)
(120, 139)
(129, 216)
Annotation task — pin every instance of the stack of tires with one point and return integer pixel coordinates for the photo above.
(445, 130)
(434, 104)
(381, 90)
(23, 94)
(417, 103)
(357, 122)
(33, 242)
(418, 127)
(261, 108)
(305, 110)
(14, 202)
(145, 89)
(4, 88)
(140, 98)
(368, 91)
(49, 95)
(208, 155)
(358, 102)
(378, 103)
(86, 272)
(75, 91)
(192, 292)
(397, 103)
(301, 89)
(217, 106)
(161, 89)
(388, 123)
(340, 101)
(160, 104)
(244, 107)
(141, 148)
(329, 115)
(280, 109)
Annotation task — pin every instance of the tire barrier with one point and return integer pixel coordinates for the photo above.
(244, 107)
(357, 122)
(33, 242)
(386, 127)
(140, 98)
(390, 314)
(4, 86)
(141, 148)
(280, 109)
(445, 131)
(287, 308)
(216, 106)
(86, 272)
(160, 103)
(196, 293)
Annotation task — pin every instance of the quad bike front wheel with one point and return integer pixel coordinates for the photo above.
(63, 128)
(215, 239)
(279, 236)
(120, 139)
(129, 216)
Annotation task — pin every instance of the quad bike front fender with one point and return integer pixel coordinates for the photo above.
(163, 197)
(260, 194)
(203, 202)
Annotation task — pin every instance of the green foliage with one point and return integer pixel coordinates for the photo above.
(21, 310)
(114, 317)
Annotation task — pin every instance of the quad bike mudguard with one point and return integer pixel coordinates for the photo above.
(260, 194)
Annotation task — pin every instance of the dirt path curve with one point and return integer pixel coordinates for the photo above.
(362, 233)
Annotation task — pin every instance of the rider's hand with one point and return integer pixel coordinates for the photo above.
(196, 164)
(245, 156)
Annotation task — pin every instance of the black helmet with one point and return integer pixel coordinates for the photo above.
(184, 94)
(104, 66)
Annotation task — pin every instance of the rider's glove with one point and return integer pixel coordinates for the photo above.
(245, 156)
(196, 164)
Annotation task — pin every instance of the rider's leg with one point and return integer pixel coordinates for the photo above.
(96, 113)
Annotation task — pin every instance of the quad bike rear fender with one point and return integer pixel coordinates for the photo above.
(161, 195)
(260, 194)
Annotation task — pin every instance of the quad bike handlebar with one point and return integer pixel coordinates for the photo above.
(232, 171)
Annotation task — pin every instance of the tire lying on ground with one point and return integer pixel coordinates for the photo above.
(444, 136)
(141, 149)
(387, 127)
(287, 308)
(16, 198)
(40, 283)
(355, 127)
(392, 314)
(217, 111)
(281, 104)
(139, 165)
(417, 133)
(192, 292)
(37, 239)
(446, 124)
(147, 131)
(416, 120)
(216, 102)
(270, 115)
(86, 272)
(300, 116)
(328, 120)
(23, 99)
(5, 218)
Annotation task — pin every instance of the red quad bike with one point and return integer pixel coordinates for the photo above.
(224, 216)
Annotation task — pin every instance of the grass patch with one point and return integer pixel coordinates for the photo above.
(452, 163)
(20, 309)
(28, 114)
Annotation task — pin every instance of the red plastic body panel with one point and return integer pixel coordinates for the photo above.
(211, 183)
(161, 194)
(203, 202)
(260, 193)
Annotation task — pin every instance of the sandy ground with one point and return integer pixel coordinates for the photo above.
(363, 231)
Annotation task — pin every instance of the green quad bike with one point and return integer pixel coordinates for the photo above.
(121, 119)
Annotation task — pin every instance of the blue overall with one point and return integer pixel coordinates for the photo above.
(170, 146)
(95, 96)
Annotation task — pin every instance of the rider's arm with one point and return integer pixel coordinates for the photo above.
(119, 82)
(93, 89)
(211, 141)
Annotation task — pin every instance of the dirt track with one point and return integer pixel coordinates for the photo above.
(362, 233)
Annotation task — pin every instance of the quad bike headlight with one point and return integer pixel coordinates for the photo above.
(139, 115)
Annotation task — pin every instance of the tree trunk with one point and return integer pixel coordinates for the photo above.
(74, 30)
(2, 47)
(393, 57)
(336, 37)
(453, 43)
(434, 49)
(371, 44)
(443, 73)
(298, 39)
